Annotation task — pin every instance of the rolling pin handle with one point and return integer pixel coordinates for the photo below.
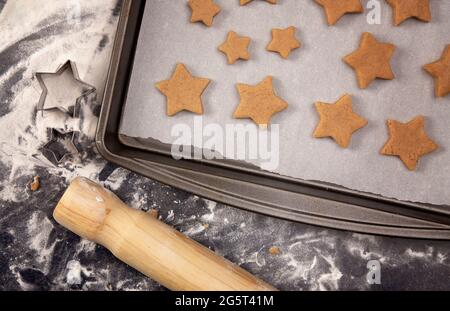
(147, 244)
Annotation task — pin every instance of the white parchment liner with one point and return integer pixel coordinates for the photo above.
(316, 72)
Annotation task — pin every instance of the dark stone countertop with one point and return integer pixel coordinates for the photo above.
(38, 254)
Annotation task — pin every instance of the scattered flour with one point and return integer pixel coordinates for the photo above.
(255, 258)
(197, 229)
(300, 269)
(211, 206)
(415, 254)
(330, 281)
(366, 251)
(116, 179)
(170, 217)
(441, 258)
(73, 275)
(39, 229)
(86, 246)
(24, 131)
(23, 285)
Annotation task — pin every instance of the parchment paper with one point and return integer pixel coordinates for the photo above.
(316, 72)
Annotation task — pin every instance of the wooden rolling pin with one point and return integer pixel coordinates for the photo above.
(147, 244)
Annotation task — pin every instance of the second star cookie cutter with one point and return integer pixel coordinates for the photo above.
(60, 146)
(72, 109)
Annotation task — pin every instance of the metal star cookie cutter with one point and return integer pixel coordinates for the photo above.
(60, 146)
(72, 109)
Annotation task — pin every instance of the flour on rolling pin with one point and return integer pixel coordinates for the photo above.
(147, 244)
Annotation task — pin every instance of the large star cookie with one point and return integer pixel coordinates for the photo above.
(336, 9)
(183, 91)
(244, 2)
(235, 47)
(371, 60)
(408, 141)
(440, 70)
(203, 11)
(338, 121)
(259, 102)
(404, 9)
(283, 41)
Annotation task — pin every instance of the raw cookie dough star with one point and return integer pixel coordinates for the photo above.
(404, 9)
(408, 141)
(338, 121)
(371, 60)
(183, 91)
(203, 11)
(259, 102)
(235, 47)
(336, 9)
(440, 70)
(283, 41)
(244, 2)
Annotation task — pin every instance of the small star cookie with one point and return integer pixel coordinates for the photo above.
(183, 91)
(440, 70)
(283, 41)
(259, 102)
(235, 47)
(203, 11)
(245, 2)
(371, 60)
(338, 121)
(405, 9)
(336, 9)
(408, 141)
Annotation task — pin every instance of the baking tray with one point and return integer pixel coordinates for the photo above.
(243, 185)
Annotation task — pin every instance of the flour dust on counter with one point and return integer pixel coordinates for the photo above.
(38, 254)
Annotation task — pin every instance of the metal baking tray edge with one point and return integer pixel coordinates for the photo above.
(303, 201)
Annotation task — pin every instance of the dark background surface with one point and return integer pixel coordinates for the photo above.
(38, 254)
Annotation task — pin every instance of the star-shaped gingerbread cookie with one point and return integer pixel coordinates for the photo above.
(440, 70)
(235, 47)
(203, 11)
(405, 9)
(259, 102)
(336, 9)
(371, 60)
(244, 2)
(338, 121)
(283, 41)
(408, 141)
(183, 91)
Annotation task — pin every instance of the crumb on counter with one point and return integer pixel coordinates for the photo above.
(274, 250)
(36, 184)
